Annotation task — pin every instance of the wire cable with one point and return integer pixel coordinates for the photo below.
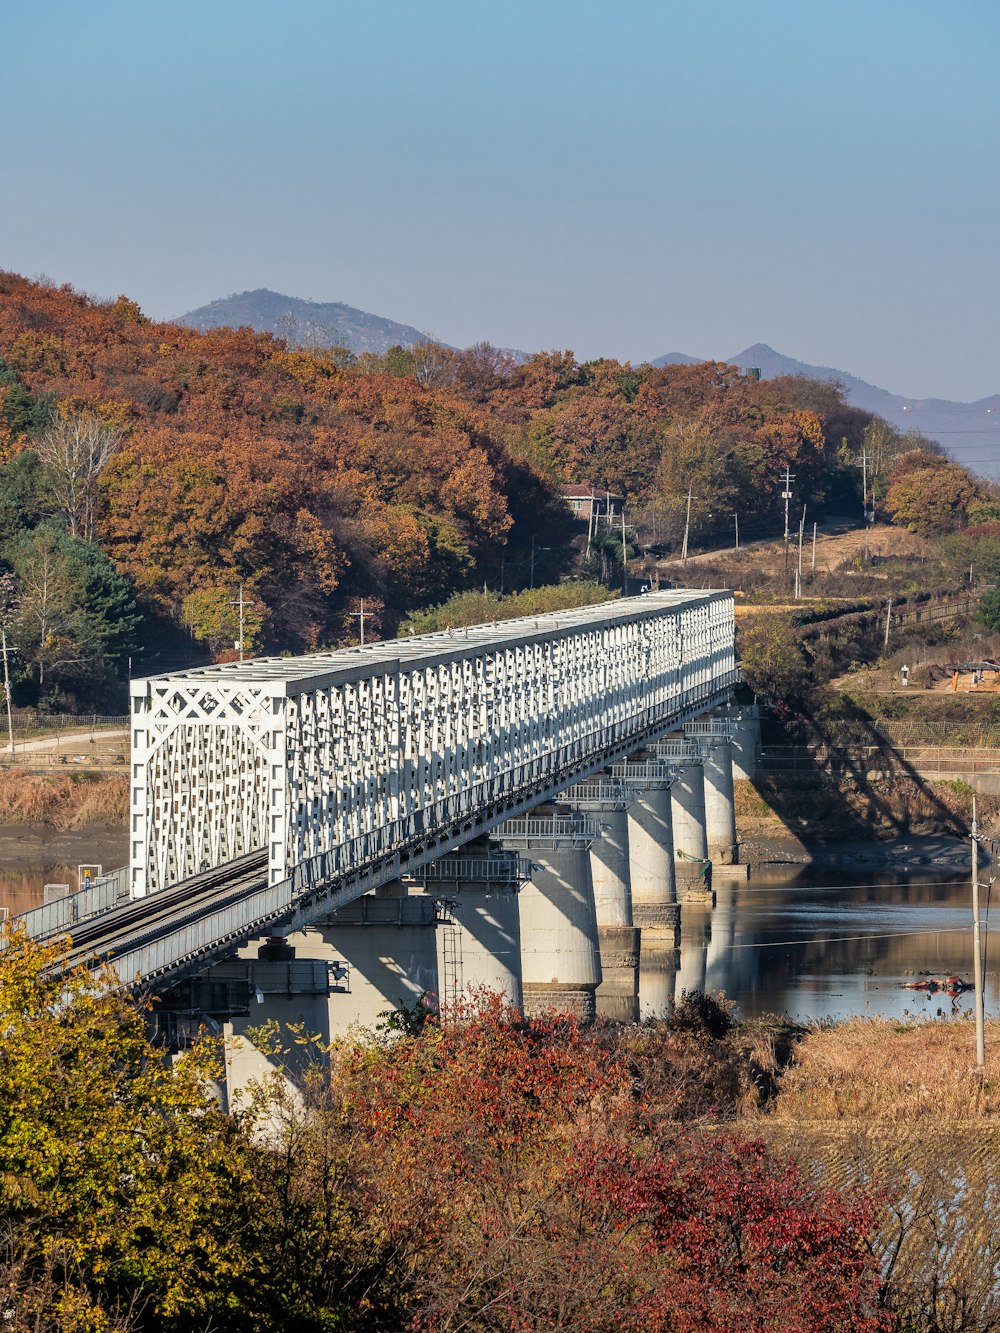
(944, 881)
(846, 939)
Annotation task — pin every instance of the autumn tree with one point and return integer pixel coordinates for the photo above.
(130, 1200)
(521, 1181)
(931, 500)
(598, 441)
(75, 450)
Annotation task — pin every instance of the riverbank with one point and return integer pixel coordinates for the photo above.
(848, 820)
(63, 802)
(50, 825)
(759, 849)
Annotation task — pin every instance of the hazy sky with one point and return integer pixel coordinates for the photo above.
(625, 179)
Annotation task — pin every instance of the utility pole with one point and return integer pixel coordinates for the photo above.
(736, 520)
(888, 622)
(6, 688)
(360, 616)
(977, 948)
(624, 554)
(814, 549)
(687, 528)
(802, 529)
(239, 601)
(786, 495)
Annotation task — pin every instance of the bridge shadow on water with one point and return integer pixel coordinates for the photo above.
(849, 783)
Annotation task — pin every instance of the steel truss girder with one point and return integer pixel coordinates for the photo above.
(339, 767)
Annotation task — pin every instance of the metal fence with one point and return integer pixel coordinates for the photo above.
(922, 759)
(27, 720)
(59, 916)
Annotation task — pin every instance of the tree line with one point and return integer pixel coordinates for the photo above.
(494, 1174)
(152, 477)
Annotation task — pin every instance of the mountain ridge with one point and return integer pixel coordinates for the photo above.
(311, 323)
(970, 431)
(961, 427)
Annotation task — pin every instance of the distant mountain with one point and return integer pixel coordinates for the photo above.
(310, 323)
(969, 431)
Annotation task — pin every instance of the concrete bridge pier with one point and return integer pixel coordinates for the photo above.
(479, 930)
(655, 910)
(560, 952)
(720, 812)
(387, 940)
(692, 864)
(744, 723)
(608, 801)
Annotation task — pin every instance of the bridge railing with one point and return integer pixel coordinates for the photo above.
(611, 793)
(59, 916)
(507, 869)
(228, 923)
(578, 831)
(659, 772)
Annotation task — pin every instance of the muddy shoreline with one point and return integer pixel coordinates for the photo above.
(760, 850)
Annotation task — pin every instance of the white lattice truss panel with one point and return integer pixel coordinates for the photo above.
(337, 758)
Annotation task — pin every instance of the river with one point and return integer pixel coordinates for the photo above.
(813, 943)
(805, 941)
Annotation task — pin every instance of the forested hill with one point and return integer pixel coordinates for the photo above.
(306, 323)
(156, 463)
(968, 430)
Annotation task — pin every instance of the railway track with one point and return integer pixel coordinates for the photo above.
(148, 919)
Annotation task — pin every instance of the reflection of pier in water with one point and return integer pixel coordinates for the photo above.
(787, 943)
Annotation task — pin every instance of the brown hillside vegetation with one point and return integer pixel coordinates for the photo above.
(313, 477)
(74, 801)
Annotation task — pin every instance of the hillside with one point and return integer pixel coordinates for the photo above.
(230, 459)
(305, 323)
(969, 431)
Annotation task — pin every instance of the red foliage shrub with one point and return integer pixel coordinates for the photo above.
(514, 1171)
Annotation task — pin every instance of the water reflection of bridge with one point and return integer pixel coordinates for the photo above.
(789, 941)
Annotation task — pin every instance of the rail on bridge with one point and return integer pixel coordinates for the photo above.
(348, 767)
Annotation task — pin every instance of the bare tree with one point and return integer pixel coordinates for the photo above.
(433, 364)
(75, 450)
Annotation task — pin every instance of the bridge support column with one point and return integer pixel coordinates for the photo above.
(479, 931)
(745, 725)
(655, 909)
(560, 954)
(692, 865)
(387, 939)
(720, 812)
(608, 800)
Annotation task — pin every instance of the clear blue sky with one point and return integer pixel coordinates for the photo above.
(624, 179)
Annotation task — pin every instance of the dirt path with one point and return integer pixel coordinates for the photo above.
(67, 740)
(835, 547)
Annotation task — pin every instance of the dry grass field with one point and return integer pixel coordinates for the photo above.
(69, 801)
(903, 1111)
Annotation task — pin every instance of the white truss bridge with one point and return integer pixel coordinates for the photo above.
(268, 792)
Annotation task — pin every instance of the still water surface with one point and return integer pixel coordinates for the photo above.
(801, 941)
(813, 944)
